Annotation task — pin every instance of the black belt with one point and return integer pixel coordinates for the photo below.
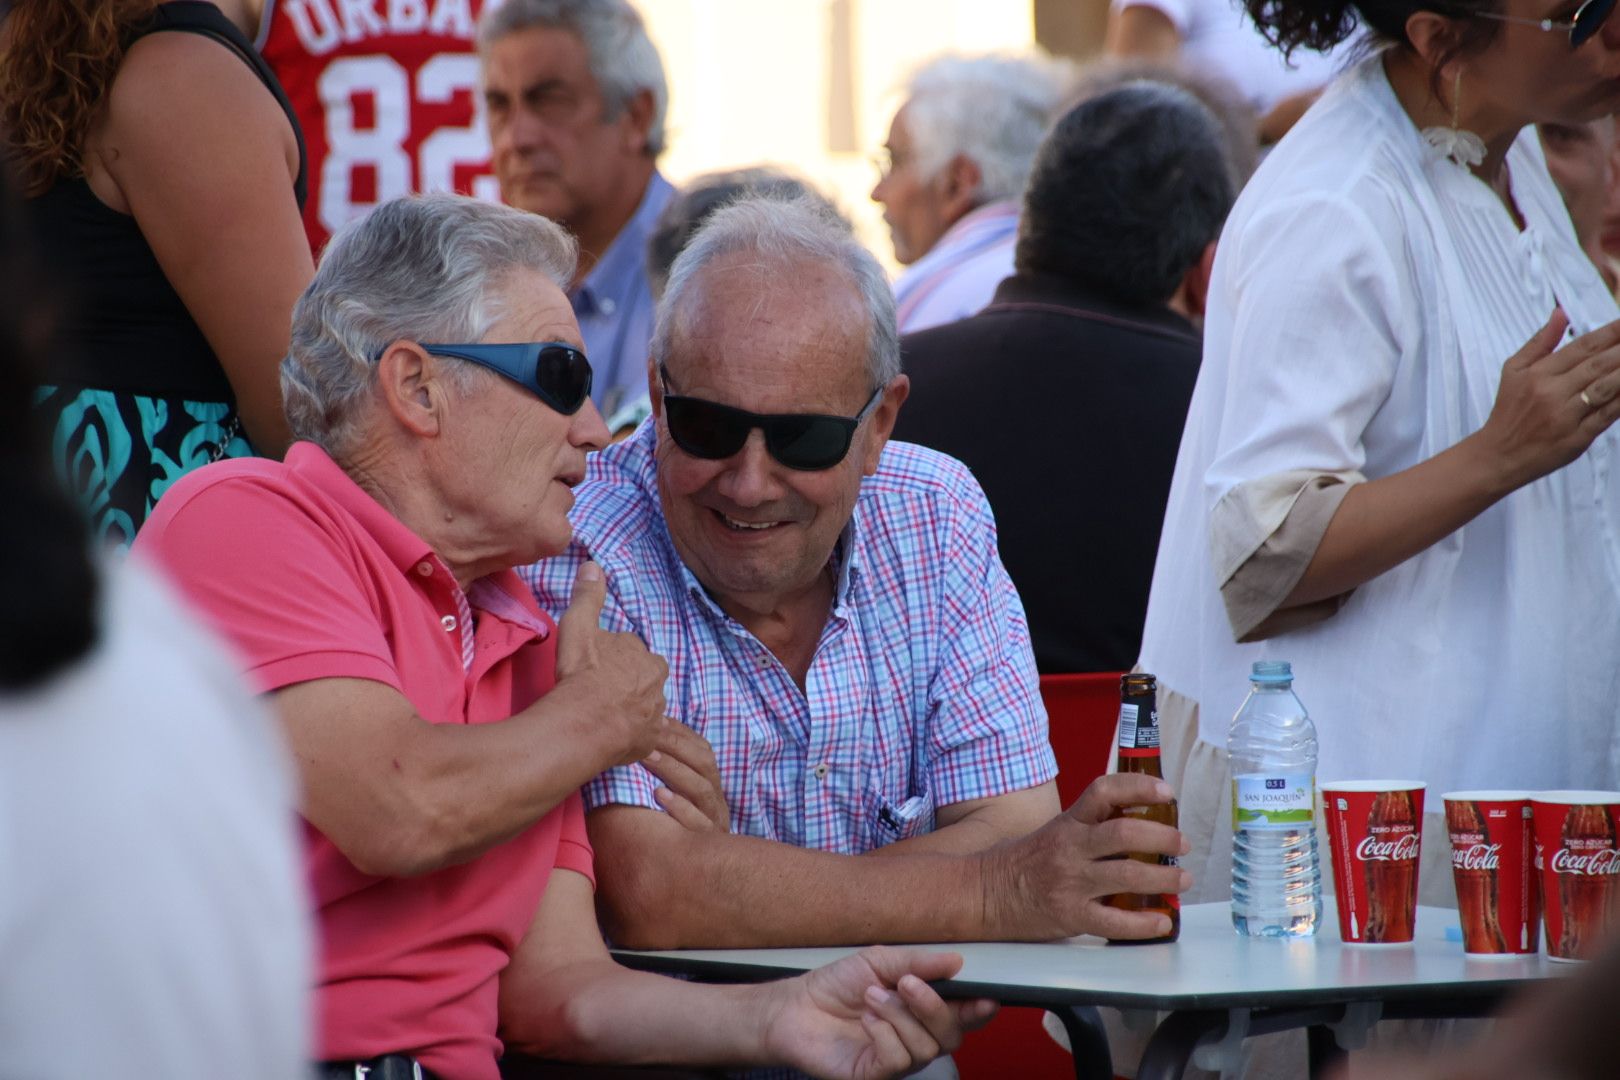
(387, 1067)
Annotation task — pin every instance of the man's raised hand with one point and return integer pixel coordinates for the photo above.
(618, 681)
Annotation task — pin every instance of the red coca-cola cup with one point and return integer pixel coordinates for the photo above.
(1498, 900)
(1577, 861)
(1375, 832)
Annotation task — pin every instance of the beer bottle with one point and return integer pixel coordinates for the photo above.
(1139, 753)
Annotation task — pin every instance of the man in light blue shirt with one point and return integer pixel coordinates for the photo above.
(615, 307)
(575, 96)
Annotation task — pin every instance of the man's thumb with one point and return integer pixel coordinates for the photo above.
(585, 606)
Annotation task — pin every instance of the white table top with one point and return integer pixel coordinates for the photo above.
(1210, 967)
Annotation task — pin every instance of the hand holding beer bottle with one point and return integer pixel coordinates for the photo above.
(1054, 882)
(1139, 753)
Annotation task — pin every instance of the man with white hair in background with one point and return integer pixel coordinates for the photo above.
(952, 171)
(575, 97)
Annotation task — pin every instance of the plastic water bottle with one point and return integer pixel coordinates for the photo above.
(1276, 878)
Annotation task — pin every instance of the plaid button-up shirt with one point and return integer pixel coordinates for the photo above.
(923, 690)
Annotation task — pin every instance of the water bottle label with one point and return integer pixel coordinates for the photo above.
(1272, 801)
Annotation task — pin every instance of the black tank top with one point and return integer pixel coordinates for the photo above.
(124, 327)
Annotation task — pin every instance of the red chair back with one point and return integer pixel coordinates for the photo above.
(1083, 711)
(1083, 714)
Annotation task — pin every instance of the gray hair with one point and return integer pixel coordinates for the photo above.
(422, 267)
(785, 230)
(992, 109)
(623, 60)
(701, 196)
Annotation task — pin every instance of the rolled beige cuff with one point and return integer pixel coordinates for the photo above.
(1263, 535)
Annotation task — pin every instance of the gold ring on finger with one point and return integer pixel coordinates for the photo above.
(1586, 400)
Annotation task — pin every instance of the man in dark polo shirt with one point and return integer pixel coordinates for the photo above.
(1066, 396)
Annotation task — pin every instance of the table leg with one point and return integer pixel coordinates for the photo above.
(1088, 1041)
(1322, 1048)
(1172, 1045)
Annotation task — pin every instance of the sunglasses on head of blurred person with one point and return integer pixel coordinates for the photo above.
(1581, 26)
(554, 371)
(808, 442)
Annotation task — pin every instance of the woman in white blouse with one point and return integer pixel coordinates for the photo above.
(1398, 470)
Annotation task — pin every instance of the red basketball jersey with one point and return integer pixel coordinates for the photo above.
(387, 94)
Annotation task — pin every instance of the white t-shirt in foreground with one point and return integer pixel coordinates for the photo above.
(153, 919)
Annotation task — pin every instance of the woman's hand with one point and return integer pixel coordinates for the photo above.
(871, 1015)
(1552, 401)
(1551, 404)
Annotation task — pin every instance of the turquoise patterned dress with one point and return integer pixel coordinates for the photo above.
(119, 452)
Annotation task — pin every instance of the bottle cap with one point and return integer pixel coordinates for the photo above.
(1272, 672)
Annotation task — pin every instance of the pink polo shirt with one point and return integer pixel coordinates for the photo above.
(311, 578)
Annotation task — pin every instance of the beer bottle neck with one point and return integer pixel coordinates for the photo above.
(1146, 762)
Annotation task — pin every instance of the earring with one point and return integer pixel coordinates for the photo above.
(1463, 147)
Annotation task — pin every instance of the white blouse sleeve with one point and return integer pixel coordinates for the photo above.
(1317, 317)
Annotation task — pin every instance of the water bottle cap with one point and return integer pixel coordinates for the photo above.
(1272, 672)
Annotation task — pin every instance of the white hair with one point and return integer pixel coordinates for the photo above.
(992, 109)
(423, 268)
(622, 58)
(785, 230)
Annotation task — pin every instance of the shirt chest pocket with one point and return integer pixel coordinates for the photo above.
(892, 819)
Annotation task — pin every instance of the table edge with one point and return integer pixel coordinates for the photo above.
(1052, 997)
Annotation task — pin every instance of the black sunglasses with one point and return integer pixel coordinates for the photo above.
(808, 442)
(557, 373)
(1587, 21)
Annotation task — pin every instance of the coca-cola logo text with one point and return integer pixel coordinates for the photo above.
(1591, 863)
(1477, 857)
(1398, 850)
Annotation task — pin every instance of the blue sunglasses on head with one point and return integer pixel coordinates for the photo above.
(555, 372)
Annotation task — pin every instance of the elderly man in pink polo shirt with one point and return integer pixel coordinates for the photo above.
(441, 722)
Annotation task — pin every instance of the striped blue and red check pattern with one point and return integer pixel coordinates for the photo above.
(923, 691)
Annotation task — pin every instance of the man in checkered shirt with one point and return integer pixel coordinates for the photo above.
(839, 629)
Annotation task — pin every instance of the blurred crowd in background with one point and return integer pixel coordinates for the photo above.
(522, 372)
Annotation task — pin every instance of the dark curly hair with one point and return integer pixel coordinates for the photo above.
(1322, 24)
(57, 61)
